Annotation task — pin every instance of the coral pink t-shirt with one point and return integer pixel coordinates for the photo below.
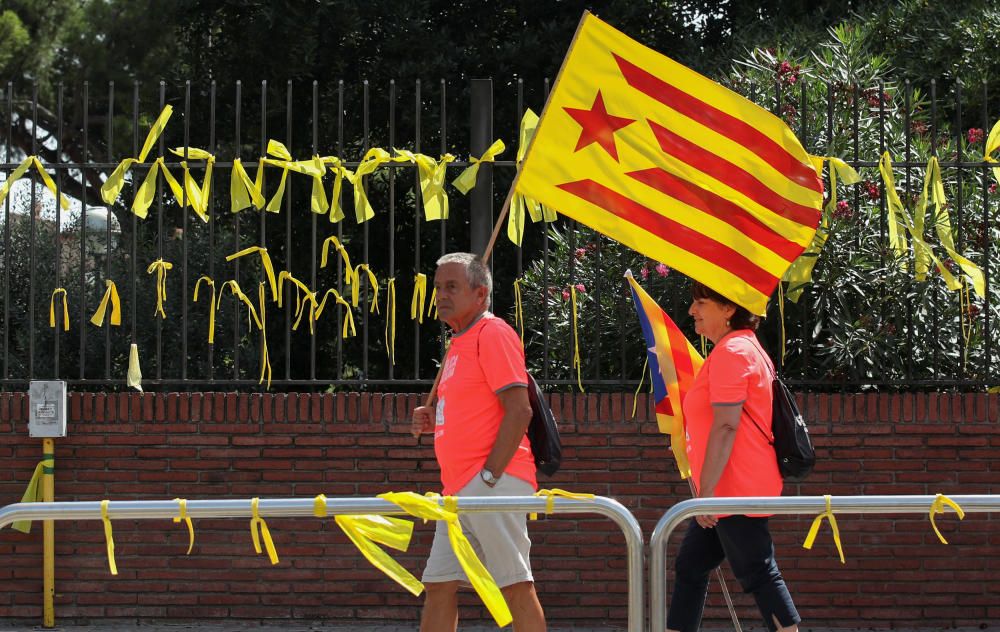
(737, 373)
(485, 359)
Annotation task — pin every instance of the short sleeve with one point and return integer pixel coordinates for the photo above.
(728, 379)
(501, 357)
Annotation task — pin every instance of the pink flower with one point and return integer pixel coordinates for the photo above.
(580, 287)
(871, 189)
(843, 210)
(662, 270)
(975, 136)
(565, 295)
(993, 188)
(644, 273)
(784, 68)
(793, 79)
(581, 253)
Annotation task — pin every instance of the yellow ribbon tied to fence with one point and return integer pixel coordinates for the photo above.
(427, 508)
(814, 530)
(577, 363)
(113, 185)
(265, 359)
(336, 166)
(550, 496)
(258, 523)
(467, 179)
(59, 291)
(348, 269)
(348, 321)
(33, 492)
(355, 288)
(244, 192)
(234, 288)
(518, 309)
(373, 159)
(46, 179)
(133, 376)
(390, 320)
(419, 297)
(160, 267)
(367, 531)
(110, 296)
(937, 507)
(147, 190)
(197, 196)
(182, 516)
(109, 539)
(519, 203)
(896, 211)
(303, 295)
(313, 168)
(211, 308)
(265, 260)
(433, 303)
(992, 144)
(431, 173)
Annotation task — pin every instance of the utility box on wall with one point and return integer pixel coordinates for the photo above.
(47, 408)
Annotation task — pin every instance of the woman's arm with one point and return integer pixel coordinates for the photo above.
(725, 421)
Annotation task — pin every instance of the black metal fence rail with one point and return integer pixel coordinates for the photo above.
(45, 248)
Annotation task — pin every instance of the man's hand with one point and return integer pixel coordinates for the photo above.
(423, 420)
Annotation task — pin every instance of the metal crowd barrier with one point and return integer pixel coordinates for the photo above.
(304, 507)
(778, 505)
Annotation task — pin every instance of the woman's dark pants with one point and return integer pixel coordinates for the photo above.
(746, 543)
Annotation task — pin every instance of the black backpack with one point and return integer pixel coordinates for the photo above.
(792, 445)
(543, 433)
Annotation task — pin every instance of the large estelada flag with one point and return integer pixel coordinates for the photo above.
(673, 364)
(673, 165)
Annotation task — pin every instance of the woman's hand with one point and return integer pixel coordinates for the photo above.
(706, 522)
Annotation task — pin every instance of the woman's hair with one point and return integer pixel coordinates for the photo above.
(741, 319)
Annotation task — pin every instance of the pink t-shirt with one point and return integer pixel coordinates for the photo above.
(485, 359)
(736, 373)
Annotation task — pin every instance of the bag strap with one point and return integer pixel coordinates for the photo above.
(774, 378)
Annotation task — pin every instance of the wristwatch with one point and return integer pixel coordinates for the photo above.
(488, 477)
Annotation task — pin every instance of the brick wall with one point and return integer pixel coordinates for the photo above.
(205, 445)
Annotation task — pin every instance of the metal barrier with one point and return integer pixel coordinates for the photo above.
(304, 507)
(777, 505)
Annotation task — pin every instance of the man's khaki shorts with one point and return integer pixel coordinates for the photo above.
(499, 539)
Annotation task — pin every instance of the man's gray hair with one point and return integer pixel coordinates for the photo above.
(476, 271)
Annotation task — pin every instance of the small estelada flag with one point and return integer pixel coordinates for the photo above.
(673, 165)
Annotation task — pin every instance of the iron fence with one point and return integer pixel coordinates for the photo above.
(81, 134)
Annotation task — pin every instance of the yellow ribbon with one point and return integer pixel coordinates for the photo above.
(160, 267)
(635, 396)
(265, 261)
(348, 269)
(244, 192)
(390, 320)
(197, 196)
(256, 522)
(938, 506)
(992, 144)
(110, 295)
(577, 364)
(46, 179)
(313, 168)
(355, 288)
(349, 321)
(133, 376)
(814, 529)
(33, 492)
(147, 191)
(182, 508)
(519, 203)
(419, 297)
(366, 531)
(265, 359)
(550, 498)
(113, 185)
(52, 309)
(518, 309)
(108, 537)
(896, 211)
(431, 173)
(942, 226)
(373, 159)
(301, 289)
(433, 303)
(234, 288)
(467, 179)
(335, 165)
(428, 508)
(211, 308)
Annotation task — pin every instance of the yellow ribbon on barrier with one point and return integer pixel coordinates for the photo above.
(550, 496)
(265, 359)
(109, 539)
(432, 174)
(419, 297)
(46, 179)
(113, 185)
(518, 309)
(33, 492)
(938, 506)
(373, 159)
(147, 190)
(635, 396)
(355, 287)
(182, 508)
(390, 320)
(110, 296)
(244, 192)
(577, 363)
(428, 508)
(814, 530)
(349, 321)
(319, 506)
(336, 166)
(521, 203)
(211, 308)
(301, 290)
(433, 303)
(314, 168)
(234, 288)
(160, 267)
(265, 260)
(256, 522)
(197, 196)
(133, 376)
(467, 179)
(348, 269)
(52, 308)
(992, 144)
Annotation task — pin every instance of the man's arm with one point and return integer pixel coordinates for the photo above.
(516, 416)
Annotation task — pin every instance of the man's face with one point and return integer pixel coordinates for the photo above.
(458, 303)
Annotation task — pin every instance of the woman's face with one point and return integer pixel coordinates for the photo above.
(711, 318)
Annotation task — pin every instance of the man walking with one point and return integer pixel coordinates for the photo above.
(479, 428)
